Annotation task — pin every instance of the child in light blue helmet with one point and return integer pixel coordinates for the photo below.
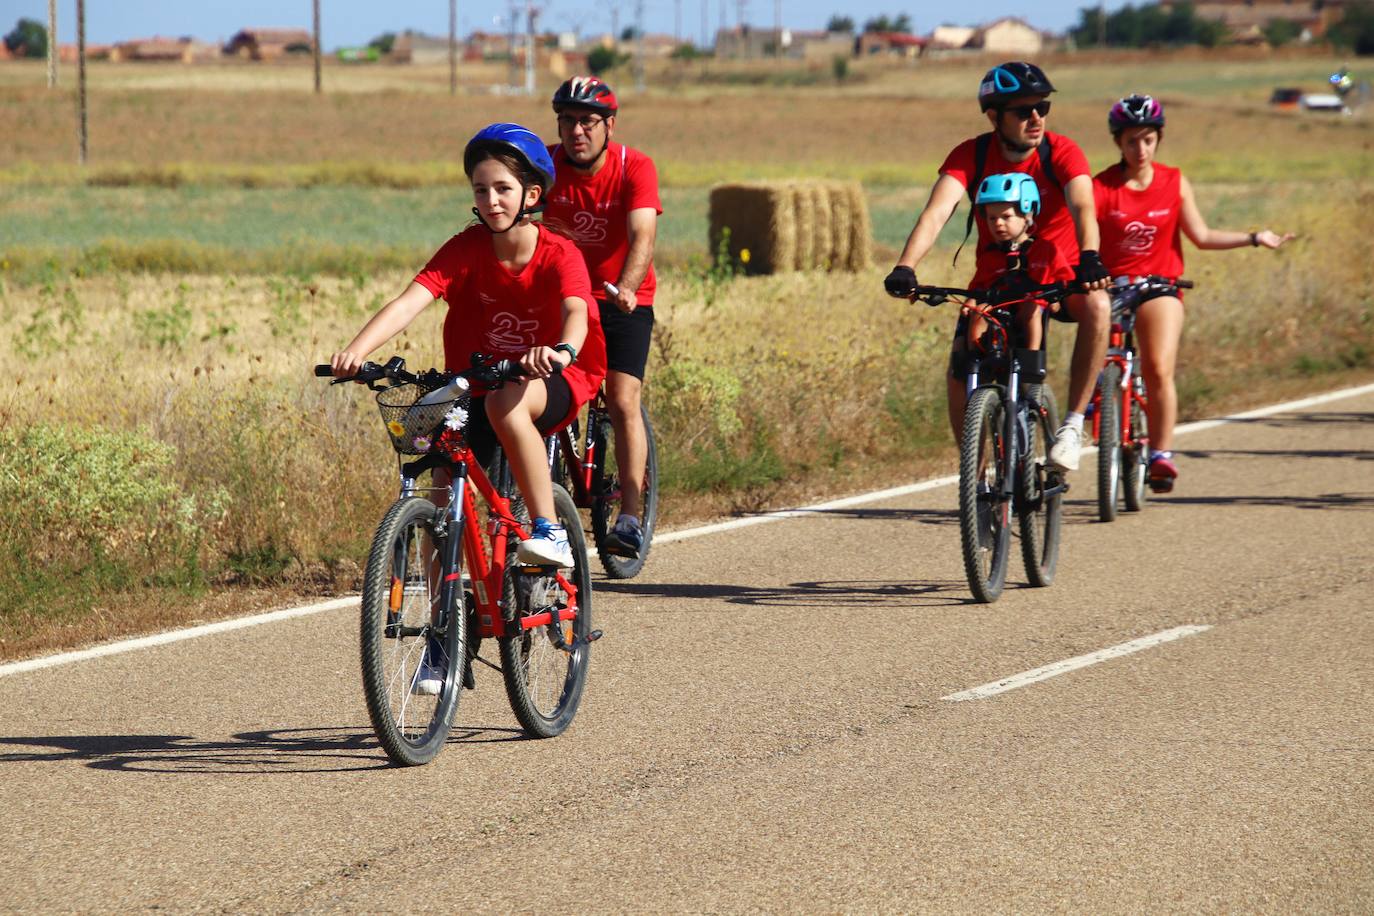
(1009, 203)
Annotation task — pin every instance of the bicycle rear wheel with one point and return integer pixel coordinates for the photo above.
(984, 513)
(1040, 516)
(1135, 457)
(1108, 442)
(403, 629)
(544, 681)
(606, 498)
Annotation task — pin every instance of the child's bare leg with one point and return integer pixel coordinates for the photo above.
(513, 410)
(1028, 314)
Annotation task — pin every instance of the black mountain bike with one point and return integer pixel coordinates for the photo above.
(1009, 425)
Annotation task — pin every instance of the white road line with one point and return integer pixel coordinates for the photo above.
(665, 538)
(1073, 664)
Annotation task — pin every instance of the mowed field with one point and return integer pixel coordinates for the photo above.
(167, 455)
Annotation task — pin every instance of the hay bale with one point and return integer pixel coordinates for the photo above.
(761, 217)
(793, 225)
(804, 204)
(822, 251)
(841, 224)
(861, 247)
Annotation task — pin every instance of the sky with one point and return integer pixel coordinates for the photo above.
(355, 22)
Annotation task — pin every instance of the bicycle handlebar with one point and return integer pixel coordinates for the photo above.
(1049, 292)
(484, 370)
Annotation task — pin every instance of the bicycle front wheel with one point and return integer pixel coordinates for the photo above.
(1108, 442)
(409, 642)
(544, 681)
(1039, 515)
(984, 512)
(606, 498)
(1135, 457)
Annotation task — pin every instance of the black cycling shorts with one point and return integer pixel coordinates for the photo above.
(627, 337)
(482, 437)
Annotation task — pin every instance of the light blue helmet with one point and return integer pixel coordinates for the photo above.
(1010, 188)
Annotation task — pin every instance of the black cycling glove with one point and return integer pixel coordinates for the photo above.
(1089, 269)
(901, 282)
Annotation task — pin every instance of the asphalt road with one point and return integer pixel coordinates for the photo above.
(764, 729)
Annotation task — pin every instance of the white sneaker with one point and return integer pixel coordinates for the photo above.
(547, 545)
(429, 677)
(1068, 443)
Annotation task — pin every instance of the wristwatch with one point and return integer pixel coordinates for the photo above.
(568, 349)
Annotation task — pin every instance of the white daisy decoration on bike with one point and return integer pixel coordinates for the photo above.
(456, 418)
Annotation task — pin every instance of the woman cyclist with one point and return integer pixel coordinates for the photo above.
(1142, 206)
(515, 290)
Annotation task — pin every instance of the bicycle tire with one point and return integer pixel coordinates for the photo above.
(1109, 443)
(1040, 518)
(1135, 458)
(411, 727)
(984, 515)
(606, 498)
(544, 683)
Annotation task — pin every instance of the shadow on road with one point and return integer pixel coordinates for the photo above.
(1350, 418)
(1348, 453)
(313, 750)
(1323, 501)
(823, 593)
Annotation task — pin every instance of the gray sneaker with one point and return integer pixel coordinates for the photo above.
(1068, 443)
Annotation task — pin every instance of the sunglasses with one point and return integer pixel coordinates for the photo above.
(1024, 112)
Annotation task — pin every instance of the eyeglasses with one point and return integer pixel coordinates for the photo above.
(588, 123)
(1024, 112)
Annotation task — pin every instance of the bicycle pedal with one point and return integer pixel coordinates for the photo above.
(532, 570)
(594, 636)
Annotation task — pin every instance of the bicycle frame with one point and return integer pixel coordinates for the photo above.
(486, 570)
(582, 472)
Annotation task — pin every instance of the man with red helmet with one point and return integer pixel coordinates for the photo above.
(605, 196)
(1015, 99)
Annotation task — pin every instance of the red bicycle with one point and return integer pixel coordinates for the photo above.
(423, 620)
(1118, 407)
(583, 459)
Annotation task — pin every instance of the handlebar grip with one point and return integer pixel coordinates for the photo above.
(324, 370)
(1183, 284)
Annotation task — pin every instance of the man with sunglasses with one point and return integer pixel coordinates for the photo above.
(605, 196)
(1014, 98)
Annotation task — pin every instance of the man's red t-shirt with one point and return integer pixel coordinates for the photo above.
(1054, 224)
(493, 311)
(1140, 229)
(594, 209)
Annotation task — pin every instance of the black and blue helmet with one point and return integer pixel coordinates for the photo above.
(1005, 82)
(520, 142)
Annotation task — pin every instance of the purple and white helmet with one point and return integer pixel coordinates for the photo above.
(1135, 111)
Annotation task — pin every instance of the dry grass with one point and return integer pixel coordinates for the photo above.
(764, 390)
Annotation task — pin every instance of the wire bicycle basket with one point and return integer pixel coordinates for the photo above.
(416, 416)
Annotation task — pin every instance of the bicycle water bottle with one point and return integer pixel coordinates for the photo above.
(450, 392)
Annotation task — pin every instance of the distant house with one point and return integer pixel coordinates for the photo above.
(1008, 36)
(182, 50)
(1245, 19)
(950, 37)
(890, 44)
(268, 44)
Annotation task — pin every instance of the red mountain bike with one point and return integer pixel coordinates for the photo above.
(422, 625)
(583, 459)
(1118, 407)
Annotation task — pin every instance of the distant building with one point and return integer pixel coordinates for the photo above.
(890, 44)
(1246, 19)
(950, 37)
(1008, 36)
(268, 44)
(746, 42)
(179, 50)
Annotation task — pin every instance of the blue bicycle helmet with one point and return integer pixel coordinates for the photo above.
(1005, 82)
(1010, 188)
(522, 142)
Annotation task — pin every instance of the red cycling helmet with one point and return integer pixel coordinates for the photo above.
(1135, 111)
(585, 92)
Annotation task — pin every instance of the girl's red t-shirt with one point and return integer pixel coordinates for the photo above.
(1140, 229)
(493, 311)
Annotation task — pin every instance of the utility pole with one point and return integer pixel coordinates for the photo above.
(452, 47)
(510, 45)
(777, 29)
(530, 15)
(52, 44)
(316, 5)
(81, 73)
(705, 22)
(677, 22)
(639, 45)
(1102, 25)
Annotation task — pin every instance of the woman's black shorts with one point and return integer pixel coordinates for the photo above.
(482, 437)
(627, 337)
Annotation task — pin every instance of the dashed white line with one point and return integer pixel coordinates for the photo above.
(1055, 669)
(668, 537)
